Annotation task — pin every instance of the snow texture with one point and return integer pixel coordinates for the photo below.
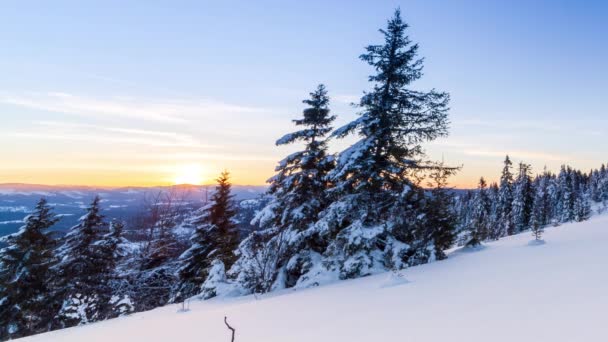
(507, 292)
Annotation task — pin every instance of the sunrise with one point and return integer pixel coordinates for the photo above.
(303, 170)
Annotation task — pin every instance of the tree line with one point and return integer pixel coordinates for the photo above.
(521, 202)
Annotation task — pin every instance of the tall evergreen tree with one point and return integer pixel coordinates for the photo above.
(26, 305)
(82, 271)
(114, 288)
(567, 200)
(441, 217)
(505, 201)
(394, 121)
(298, 192)
(480, 220)
(300, 183)
(215, 238)
(377, 179)
(523, 198)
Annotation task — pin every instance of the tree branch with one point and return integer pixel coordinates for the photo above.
(229, 327)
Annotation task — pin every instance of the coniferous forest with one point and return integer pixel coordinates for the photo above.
(380, 204)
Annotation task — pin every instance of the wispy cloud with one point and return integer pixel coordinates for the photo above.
(524, 155)
(70, 131)
(170, 110)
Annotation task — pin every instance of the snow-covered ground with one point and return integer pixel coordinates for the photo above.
(507, 291)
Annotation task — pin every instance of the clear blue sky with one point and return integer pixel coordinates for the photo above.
(117, 92)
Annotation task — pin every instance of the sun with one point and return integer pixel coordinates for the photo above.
(188, 174)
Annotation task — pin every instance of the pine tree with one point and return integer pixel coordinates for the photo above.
(113, 291)
(523, 199)
(478, 229)
(83, 271)
(541, 208)
(506, 225)
(26, 306)
(441, 218)
(376, 180)
(300, 183)
(393, 123)
(298, 193)
(568, 196)
(215, 238)
(582, 208)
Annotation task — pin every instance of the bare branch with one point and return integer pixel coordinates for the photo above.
(229, 327)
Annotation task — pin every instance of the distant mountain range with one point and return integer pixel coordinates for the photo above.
(17, 200)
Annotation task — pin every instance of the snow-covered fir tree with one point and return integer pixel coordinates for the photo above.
(26, 302)
(505, 222)
(83, 271)
(215, 238)
(480, 216)
(440, 213)
(582, 207)
(567, 199)
(298, 191)
(523, 198)
(115, 288)
(377, 219)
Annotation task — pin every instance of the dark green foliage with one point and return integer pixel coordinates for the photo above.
(83, 271)
(215, 237)
(26, 302)
(393, 123)
(440, 215)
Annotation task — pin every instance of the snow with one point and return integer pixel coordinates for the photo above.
(507, 291)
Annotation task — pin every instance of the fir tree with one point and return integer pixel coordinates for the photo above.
(300, 183)
(505, 201)
(83, 270)
(26, 303)
(523, 198)
(441, 218)
(113, 290)
(582, 208)
(298, 193)
(376, 180)
(568, 196)
(478, 229)
(393, 122)
(215, 238)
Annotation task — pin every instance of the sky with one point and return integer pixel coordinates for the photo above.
(119, 93)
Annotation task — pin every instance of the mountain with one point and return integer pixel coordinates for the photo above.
(509, 290)
(17, 200)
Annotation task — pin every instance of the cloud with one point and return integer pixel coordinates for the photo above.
(526, 155)
(156, 110)
(68, 131)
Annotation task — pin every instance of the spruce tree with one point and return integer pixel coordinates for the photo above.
(505, 201)
(300, 183)
(567, 200)
(582, 207)
(393, 123)
(215, 238)
(377, 179)
(83, 271)
(26, 303)
(523, 198)
(441, 218)
(478, 229)
(298, 192)
(113, 290)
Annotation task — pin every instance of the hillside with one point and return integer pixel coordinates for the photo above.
(507, 291)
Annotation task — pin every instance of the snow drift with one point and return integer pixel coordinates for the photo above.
(507, 291)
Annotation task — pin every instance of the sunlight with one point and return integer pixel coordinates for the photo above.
(188, 174)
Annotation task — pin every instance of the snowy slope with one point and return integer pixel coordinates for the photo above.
(509, 291)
